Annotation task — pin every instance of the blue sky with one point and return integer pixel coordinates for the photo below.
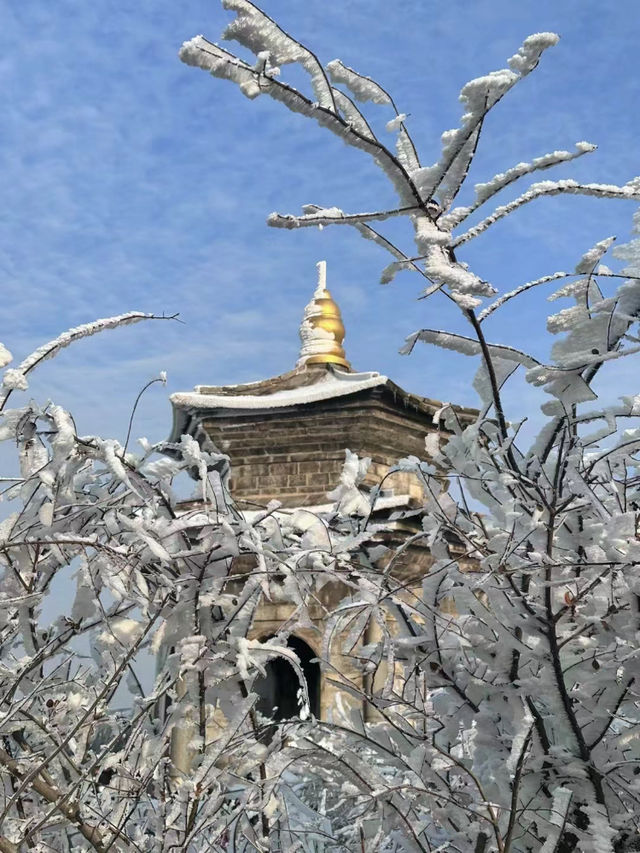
(130, 181)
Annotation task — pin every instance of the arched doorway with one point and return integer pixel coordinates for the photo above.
(278, 690)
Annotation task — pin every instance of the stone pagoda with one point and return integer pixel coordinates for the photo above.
(286, 438)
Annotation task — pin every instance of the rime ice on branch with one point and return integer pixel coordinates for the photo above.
(509, 710)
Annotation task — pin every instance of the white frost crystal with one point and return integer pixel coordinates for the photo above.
(15, 380)
(5, 355)
(361, 87)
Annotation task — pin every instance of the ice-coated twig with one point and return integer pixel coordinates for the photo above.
(518, 290)
(550, 188)
(49, 350)
(352, 114)
(479, 96)
(467, 346)
(254, 29)
(209, 57)
(486, 191)
(361, 87)
(332, 216)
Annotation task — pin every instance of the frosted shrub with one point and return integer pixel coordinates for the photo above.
(127, 714)
(505, 693)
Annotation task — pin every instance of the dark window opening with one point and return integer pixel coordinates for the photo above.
(278, 691)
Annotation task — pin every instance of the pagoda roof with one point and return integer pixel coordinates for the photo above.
(304, 386)
(280, 391)
(322, 374)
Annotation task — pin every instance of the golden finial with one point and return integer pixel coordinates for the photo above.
(321, 331)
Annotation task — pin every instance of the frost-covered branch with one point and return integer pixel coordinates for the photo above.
(332, 216)
(480, 641)
(466, 346)
(485, 191)
(550, 188)
(492, 647)
(15, 378)
(221, 63)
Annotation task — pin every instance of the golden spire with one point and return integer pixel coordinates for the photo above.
(321, 331)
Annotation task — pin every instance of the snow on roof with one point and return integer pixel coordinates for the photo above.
(333, 384)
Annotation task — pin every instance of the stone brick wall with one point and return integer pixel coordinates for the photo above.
(296, 454)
